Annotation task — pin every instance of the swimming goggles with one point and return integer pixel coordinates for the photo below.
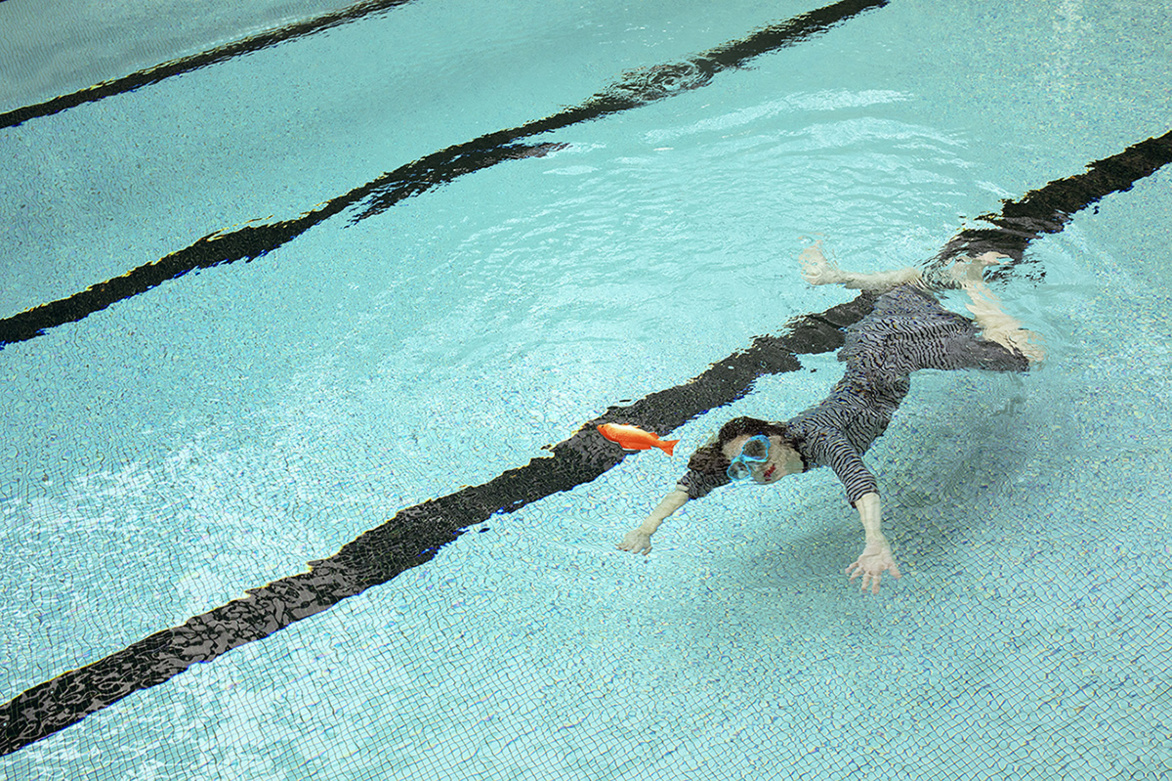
(753, 453)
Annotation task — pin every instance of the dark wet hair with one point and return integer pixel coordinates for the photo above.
(710, 458)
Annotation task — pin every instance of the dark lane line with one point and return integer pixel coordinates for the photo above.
(412, 537)
(245, 244)
(1047, 210)
(415, 534)
(636, 89)
(166, 70)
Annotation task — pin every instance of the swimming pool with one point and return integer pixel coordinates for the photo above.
(258, 311)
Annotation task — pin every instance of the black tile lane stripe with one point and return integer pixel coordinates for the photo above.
(166, 70)
(247, 243)
(637, 89)
(647, 85)
(414, 535)
(1049, 209)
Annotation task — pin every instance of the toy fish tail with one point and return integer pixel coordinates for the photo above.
(667, 445)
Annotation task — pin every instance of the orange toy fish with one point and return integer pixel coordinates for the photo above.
(634, 438)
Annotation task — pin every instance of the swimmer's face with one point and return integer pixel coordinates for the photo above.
(769, 471)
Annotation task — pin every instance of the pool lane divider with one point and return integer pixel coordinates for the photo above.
(177, 67)
(415, 534)
(636, 89)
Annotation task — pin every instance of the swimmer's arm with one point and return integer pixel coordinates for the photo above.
(871, 513)
(638, 540)
(876, 557)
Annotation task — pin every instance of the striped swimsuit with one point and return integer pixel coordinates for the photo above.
(907, 330)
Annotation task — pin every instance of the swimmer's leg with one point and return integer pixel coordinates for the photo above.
(995, 324)
(818, 270)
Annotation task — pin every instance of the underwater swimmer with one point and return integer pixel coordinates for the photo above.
(907, 330)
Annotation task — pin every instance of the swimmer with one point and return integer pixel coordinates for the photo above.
(907, 330)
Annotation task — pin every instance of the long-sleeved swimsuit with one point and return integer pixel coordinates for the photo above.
(907, 330)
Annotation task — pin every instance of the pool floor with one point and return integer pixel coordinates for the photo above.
(307, 334)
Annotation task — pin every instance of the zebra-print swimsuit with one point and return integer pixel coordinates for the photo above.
(907, 330)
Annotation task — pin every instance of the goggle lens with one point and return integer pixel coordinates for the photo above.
(754, 451)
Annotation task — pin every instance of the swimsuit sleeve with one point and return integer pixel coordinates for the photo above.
(830, 448)
(700, 484)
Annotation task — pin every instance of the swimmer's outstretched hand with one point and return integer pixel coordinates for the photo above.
(636, 541)
(874, 561)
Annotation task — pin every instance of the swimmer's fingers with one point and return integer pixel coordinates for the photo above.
(857, 569)
(870, 579)
(872, 570)
(636, 542)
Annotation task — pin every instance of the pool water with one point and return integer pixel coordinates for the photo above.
(170, 450)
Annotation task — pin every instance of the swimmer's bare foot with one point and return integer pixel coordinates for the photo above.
(816, 269)
(995, 324)
(1028, 343)
(972, 270)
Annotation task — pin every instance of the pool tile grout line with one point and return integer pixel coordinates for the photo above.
(177, 67)
(415, 534)
(637, 89)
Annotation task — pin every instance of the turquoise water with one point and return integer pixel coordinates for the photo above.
(217, 432)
